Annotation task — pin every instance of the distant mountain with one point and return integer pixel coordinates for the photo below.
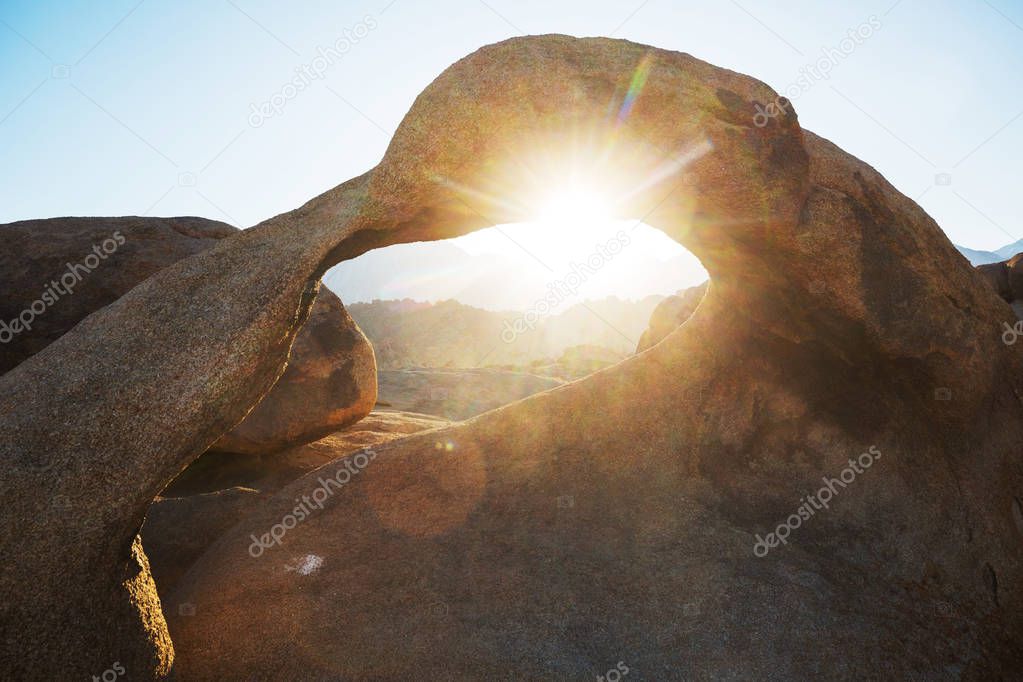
(512, 280)
(981, 257)
(409, 334)
(1009, 251)
(430, 271)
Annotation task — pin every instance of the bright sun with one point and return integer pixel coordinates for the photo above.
(576, 231)
(569, 222)
(573, 205)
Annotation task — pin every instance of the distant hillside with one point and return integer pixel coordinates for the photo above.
(511, 280)
(456, 393)
(1010, 250)
(983, 257)
(409, 334)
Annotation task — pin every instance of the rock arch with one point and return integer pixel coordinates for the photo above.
(837, 310)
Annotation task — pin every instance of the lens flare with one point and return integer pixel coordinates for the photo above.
(639, 77)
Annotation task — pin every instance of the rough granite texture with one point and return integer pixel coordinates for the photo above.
(182, 522)
(179, 529)
(610, 519)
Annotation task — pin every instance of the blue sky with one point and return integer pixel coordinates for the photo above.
(117, 108)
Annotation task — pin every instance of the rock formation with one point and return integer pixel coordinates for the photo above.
(55, 255)
(221, 489)
(670, 314)
(215, 470)
(329, 383)
(330, 380)
(1007, 279)
(179, 529)
(616, 518)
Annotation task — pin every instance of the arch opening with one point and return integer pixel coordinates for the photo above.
(544, 260)
(465, 325)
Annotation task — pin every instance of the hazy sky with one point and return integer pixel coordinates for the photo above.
(115, 108)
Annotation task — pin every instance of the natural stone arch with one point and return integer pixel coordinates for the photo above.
(107, 415)
(454, 164)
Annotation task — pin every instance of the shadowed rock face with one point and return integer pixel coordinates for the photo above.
(215, 471)
(614, 518)
(178, 529)
(40, 253)
(1006, 278)
(330, 380)
(329, 383)
(221, 489)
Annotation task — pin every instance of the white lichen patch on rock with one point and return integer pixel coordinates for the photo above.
(306, 565)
